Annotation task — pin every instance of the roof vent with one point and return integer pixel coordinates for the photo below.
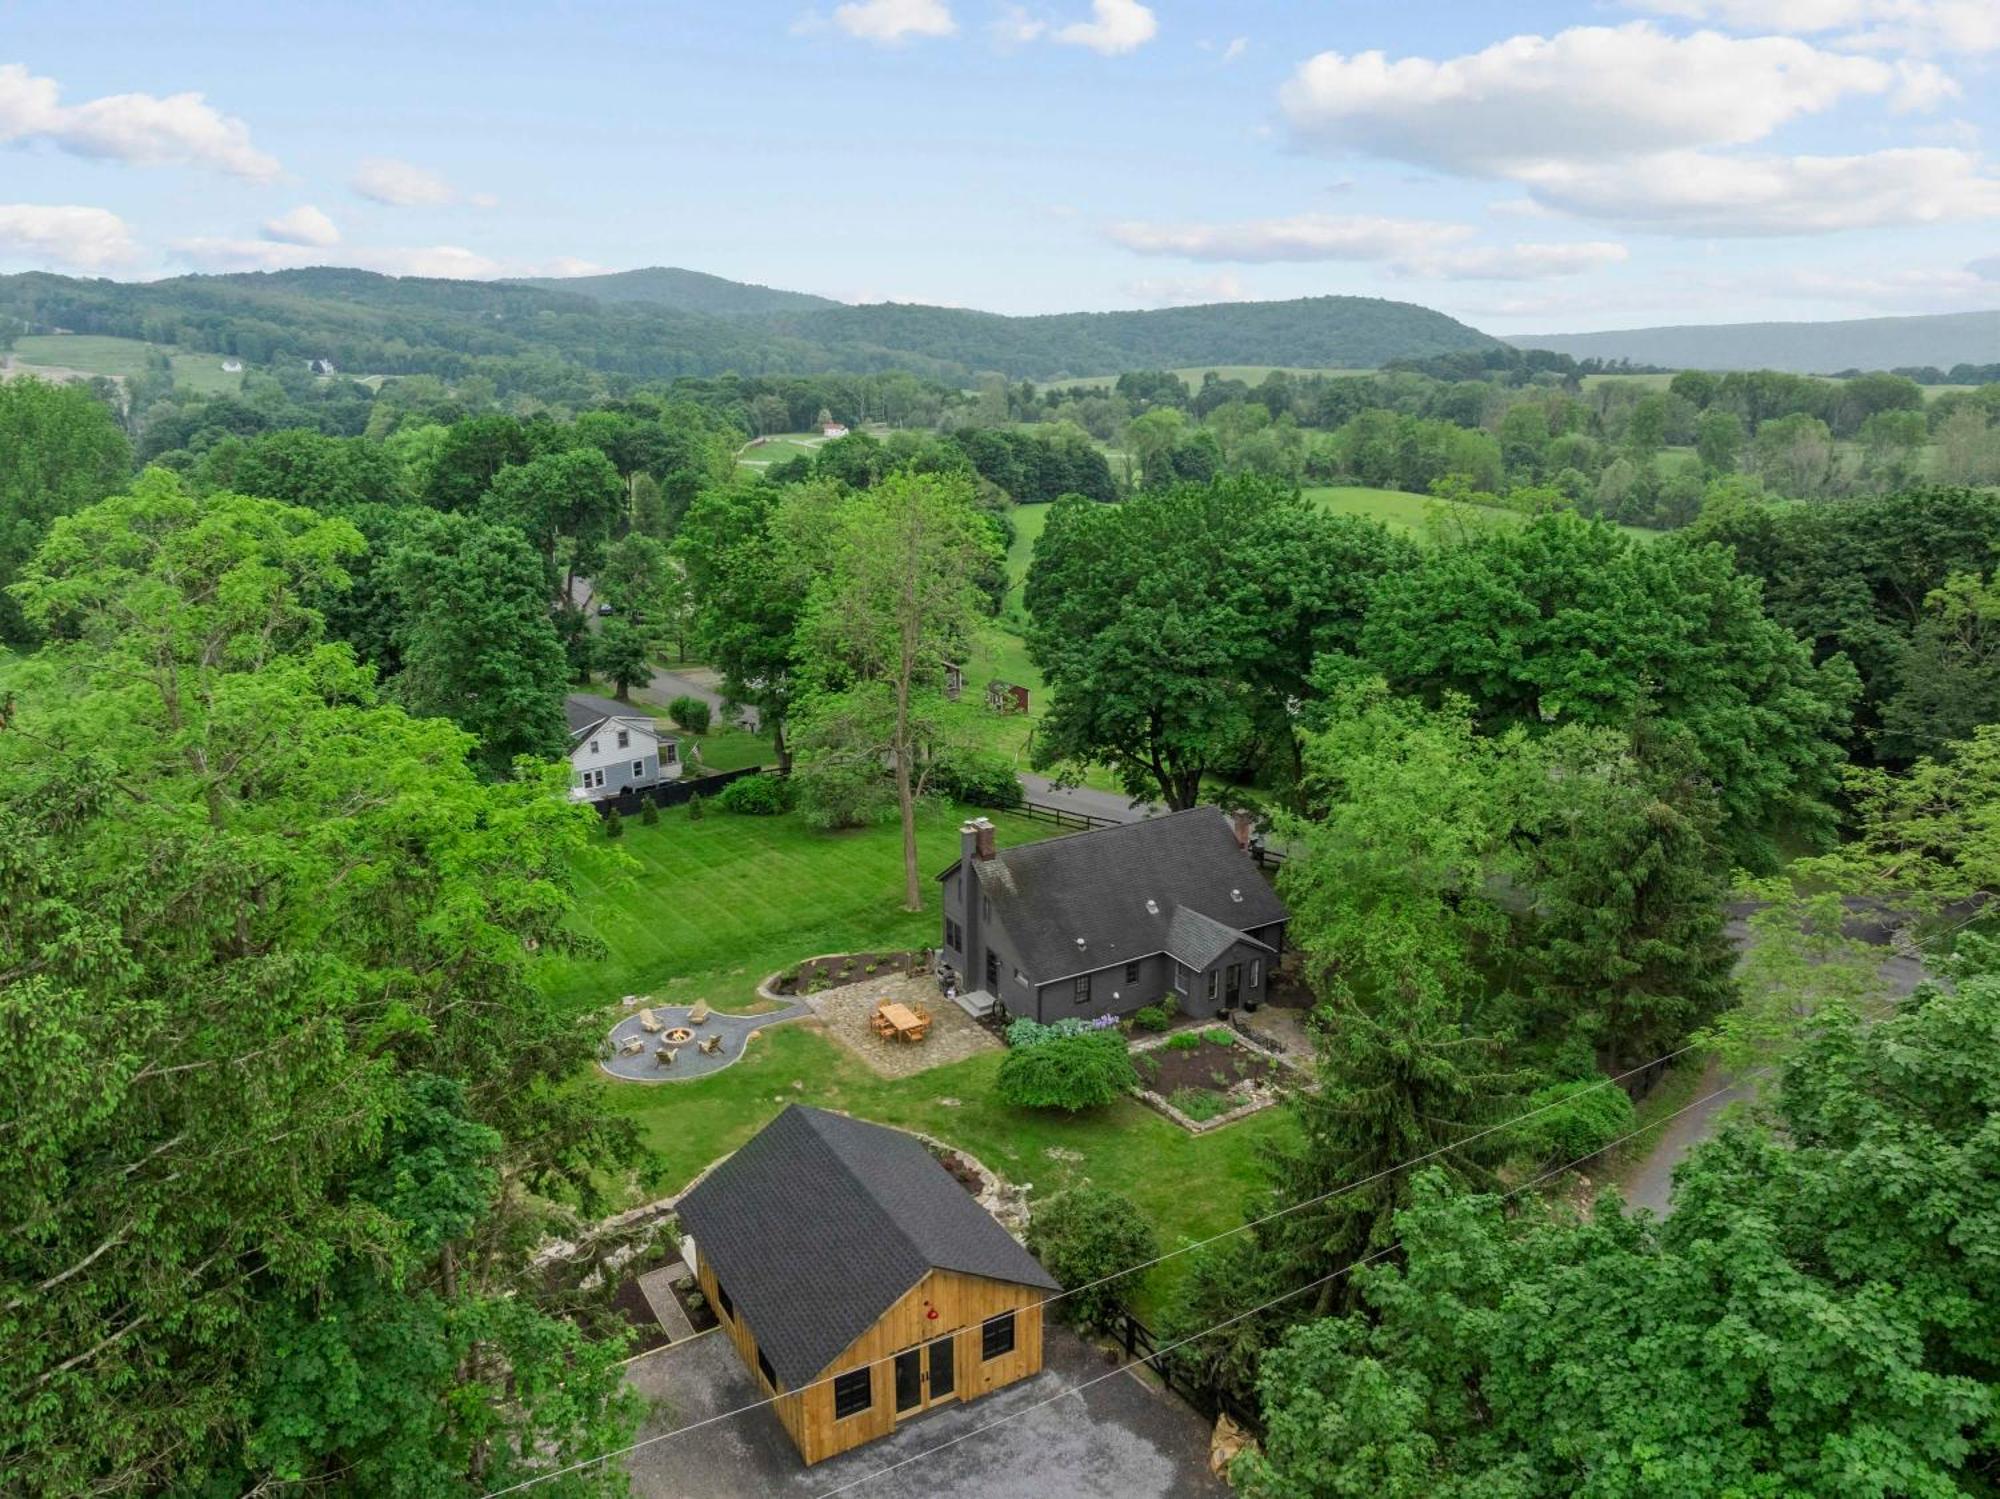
(1152, 907)
(1237, 896)
(1079, 944)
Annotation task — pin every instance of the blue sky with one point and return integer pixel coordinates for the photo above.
(1525, 166)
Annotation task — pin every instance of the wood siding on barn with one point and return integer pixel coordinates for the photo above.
(963, 1304)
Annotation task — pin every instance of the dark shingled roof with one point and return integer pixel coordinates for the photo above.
(1096, 885)
(583, 711)
(822, 1223)
(1198, 941)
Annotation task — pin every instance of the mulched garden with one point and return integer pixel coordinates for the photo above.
(841, 968)
(1197, 1071)
(629, 1304)
(701, 1316)
(962, 1171)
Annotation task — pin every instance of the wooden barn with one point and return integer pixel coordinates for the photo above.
(860, 1282)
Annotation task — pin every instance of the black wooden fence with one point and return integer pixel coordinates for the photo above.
(1140, 1342)
(673, 793)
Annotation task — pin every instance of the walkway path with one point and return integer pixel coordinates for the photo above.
(1114, 806)
(693, 681)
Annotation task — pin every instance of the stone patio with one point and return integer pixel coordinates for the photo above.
(692, 1062)
(846, 1012)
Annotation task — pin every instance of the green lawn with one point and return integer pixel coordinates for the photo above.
(705, 908)
(92, 353)
(204, 373)
(779, 448)
(1402, 511)
(1249, 374)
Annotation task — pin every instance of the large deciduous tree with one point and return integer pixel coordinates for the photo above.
(899, 602)
(60, 449)
(283, 1104)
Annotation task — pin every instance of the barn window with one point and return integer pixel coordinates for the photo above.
(764, 1368)
(996, 1336)
(853, 1393)
(722, 1300)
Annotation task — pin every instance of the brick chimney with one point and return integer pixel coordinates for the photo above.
(982, 838)
(1243, 824)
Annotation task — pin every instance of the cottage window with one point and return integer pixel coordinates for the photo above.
(592, 779)
(593, 746)
(624, 739)
(638, 768)
(853, 1393)
(669, 752)
(1083, 988)
(722, 1300)
(1131, 973)
(996, 1336)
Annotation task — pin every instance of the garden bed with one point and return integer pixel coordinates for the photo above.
(963, 1171)
(701, 1316)
(1207, 1077)
(835, 969)
(629, 1305)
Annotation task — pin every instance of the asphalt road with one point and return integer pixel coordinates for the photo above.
(1650, 1184)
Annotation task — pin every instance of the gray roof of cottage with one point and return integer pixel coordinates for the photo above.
(1097, 886)
(583, 712)
(822, 1223)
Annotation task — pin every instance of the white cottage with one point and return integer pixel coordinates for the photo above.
(613, 749)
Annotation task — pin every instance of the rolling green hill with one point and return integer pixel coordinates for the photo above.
(682, 291)
(407, 325)
(1877, 343)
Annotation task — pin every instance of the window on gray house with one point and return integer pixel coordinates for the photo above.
(593, 746)
(624, 739)
(638, 767)
(1256, 972)
(953, 937)
(1131, 973)
(1083, 988)
(1214, 985)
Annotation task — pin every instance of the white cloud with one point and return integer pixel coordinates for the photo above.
(1424, 248)
(1591, 92)
(1174, 291)
(74, 238)
(140, 129)
(894, 20)
(1698, 192)
(1014, 27)
(1952, 26)
(1236, 48)
(304, 225)
(403, 184)
(1114, 27)
(1987, 267)
(454, 262)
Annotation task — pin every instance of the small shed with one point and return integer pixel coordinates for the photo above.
(860, 1282)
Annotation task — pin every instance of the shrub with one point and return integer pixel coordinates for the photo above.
(834, 794)
(614, 825)
(1219, 1035)
(1151, 1018)
(979, 778)
(1030, 1032)
(649, 812)
(695, 808)
(1086, 1234)
(756, 796)
(1185, 1041)
(1067, 1072)
(1581, 1117)
(690, 713)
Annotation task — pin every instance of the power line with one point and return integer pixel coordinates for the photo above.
(1188, 1248)
(1366, 1259)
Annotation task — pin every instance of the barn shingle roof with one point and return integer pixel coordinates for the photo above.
(822, 1223)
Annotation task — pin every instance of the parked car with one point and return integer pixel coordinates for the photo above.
(606, 609)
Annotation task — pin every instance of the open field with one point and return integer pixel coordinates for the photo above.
(204, 374)
(706, 908)
(86, 353)
(1413, 513)
(779, 448)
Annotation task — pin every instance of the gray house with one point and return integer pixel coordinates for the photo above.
(613, 749)
(1108, 921)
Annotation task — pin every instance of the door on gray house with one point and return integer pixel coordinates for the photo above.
(992, 973)
(1232, 986)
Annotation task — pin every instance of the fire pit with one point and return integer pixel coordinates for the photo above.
(678, 1034)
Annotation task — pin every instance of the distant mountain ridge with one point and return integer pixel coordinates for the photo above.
(682, 290)
(387, 325)
(1879, 343)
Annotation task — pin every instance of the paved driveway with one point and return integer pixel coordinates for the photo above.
(1118, 1439)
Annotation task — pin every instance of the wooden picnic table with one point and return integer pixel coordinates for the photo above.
(902, 1021)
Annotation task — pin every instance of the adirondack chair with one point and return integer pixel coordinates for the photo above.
(650, 1021)
(633, 1046)
(699, 1014)
(710, 1045)
(665, 1055)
